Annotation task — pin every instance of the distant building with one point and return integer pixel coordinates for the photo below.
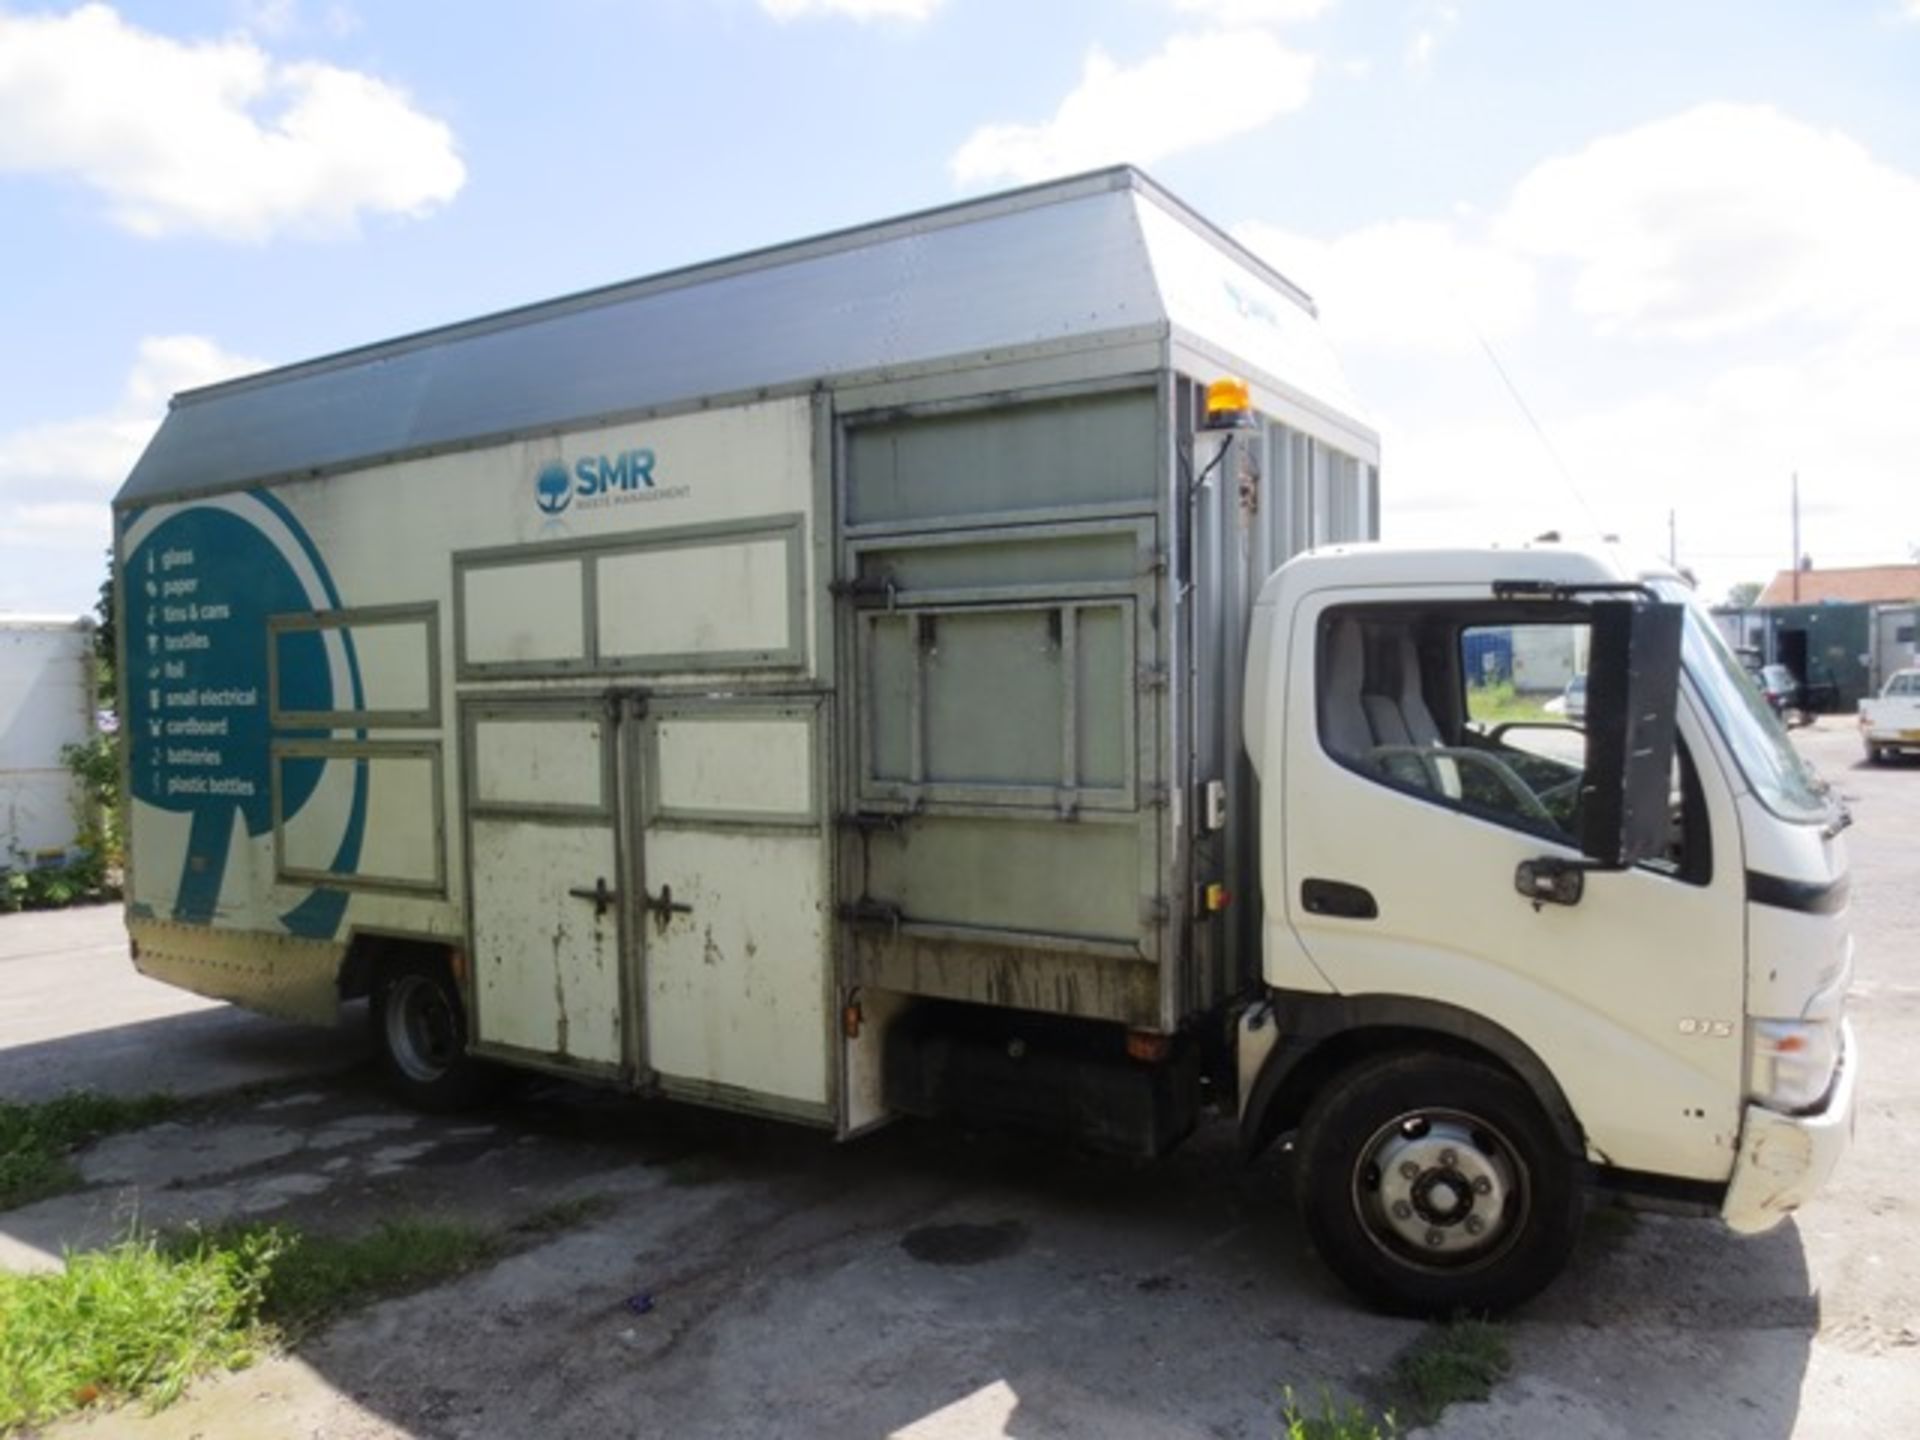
(1854, 585)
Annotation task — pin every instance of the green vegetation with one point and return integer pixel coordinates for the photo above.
(1448, 1364)
(1351, 1421)
(141, 1319)
(1459, 1361)
(91, 876)
(1500, 704)
(309, 1279)
(36, 1139)
(128, 1322)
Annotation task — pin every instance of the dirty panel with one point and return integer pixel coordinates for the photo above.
(994, 697)
(551, 761)
(1090, 450)
(546, 969)
(524, 614)
(696, 600)
(1079, 880)
(737, 989)
(734, 767)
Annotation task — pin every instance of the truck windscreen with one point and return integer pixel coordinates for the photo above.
(1752, 731)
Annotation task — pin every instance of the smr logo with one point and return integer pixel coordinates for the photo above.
(599, 480)
(552, 488)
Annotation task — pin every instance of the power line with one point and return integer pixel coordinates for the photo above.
(1538, 429)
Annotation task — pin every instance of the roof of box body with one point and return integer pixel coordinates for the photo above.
(1069, 261)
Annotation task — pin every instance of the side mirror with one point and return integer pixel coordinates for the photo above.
(1633, 686)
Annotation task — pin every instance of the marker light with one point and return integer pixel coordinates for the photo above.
(1229, 405)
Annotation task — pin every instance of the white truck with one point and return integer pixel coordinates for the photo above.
(1890, 723)
(872, 677)
(46, 704)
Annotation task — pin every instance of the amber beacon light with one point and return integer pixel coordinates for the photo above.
(1229, 405)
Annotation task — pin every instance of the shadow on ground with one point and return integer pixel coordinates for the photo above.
(748, 1277)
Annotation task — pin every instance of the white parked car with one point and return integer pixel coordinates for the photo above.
(1892, 722)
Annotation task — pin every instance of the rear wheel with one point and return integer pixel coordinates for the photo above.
(420, 1035)
(1874, 753)
(1433, 1185)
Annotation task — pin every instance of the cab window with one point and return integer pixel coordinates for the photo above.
(1481, 710)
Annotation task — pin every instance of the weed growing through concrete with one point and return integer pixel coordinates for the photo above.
(36, 1139)
(1335, 1421)
(1461, 1360)
(312, 1277)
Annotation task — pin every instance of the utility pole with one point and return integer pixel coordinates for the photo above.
(1796, 537)
(1673, 543)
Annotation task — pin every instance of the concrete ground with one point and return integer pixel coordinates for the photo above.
(751, 1278)
(75, 1015)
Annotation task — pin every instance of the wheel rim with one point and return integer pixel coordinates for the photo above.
(423, 1029)
(1441, 1190)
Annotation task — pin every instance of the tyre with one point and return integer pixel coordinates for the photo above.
(1434, 1185)
(1875, 754)
(420, 1037)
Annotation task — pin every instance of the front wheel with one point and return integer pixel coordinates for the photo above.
(1434, 1185)
(420, 1036)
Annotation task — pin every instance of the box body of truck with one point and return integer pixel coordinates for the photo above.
(46, 704)
(721, 669)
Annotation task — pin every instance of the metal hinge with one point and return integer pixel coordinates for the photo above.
(867, 821)
(866, 587)
(1151, 677)
(1154, 796)
(1154, 910)
(872, 912)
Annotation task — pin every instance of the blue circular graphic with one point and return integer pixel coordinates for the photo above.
(552, 488)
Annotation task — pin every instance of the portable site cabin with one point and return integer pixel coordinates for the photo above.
(845, 624)
(46, 704)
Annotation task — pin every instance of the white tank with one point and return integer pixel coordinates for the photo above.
(46, 702)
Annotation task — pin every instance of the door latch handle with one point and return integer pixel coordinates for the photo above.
(602, 898)
(664, 908)
(1338, 899)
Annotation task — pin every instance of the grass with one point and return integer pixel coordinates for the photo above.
(311, 1278)
(1500, 703)
(131, 1321)
(141, 1319)
(36, 1139)
(1460, 1361)
(1335, 1421)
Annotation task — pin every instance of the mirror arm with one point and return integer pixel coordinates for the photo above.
(1554, 880)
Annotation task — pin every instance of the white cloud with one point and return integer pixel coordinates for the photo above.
(214, 137)
(1694, 309)
(1426, 40)
(1723, 220)
(861, 10)
(1258, 12)
(57, 478)
(1407, 284)
(1196, 90)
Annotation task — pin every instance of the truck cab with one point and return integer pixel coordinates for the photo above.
(1474, 1008)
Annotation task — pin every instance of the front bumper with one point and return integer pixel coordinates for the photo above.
(1784, 1159)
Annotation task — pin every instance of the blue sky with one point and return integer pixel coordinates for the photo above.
(1690, 234)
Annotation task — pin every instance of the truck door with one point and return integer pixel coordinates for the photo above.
(545, 879)
(1411, 798)
(731, 900)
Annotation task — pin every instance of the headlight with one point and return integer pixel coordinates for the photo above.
(1793, 1062)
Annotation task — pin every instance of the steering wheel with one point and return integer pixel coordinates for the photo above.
(1530, 803)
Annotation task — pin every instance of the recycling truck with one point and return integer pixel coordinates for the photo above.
(940, 668)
